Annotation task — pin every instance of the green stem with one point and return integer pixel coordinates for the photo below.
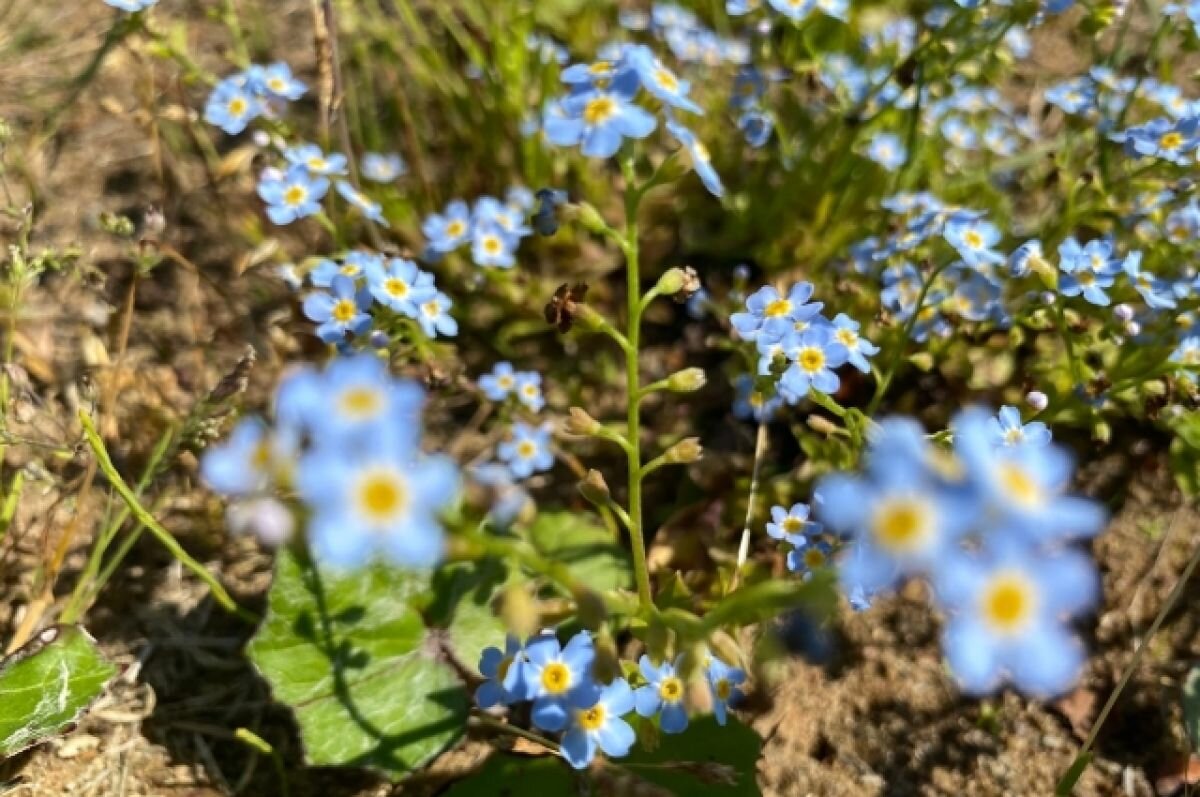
(143, 516)
(633, 295)
(1084, 756)
(898, 355)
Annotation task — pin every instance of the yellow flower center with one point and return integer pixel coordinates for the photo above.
(599, 110)
(792, 525)
(1171, 140)
(505, 381)
(902, 525)
(455, 228)
(591, 719)
(1014, 436)
(349, 270)
(382, 495)
(778, 308)
(491, 244)
(261, 456)
(526, 449)
(295, 194)
(275, 84)
(813, 557)
(724, 689)
(317, 164)
(1008, 602)
(811, 359)
(556, 678)
(847, 337)
(502, 668)
(973, 239)
(665, 79)
(1019, 486)
(700, 152)
(431, 309)
(671, 689)
(396, 287)
(344, 311)
(360, 402)
(237, 106)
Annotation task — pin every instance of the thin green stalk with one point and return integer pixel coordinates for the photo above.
(633, 294)
(898, 355)
(144, 517)
(1084, 756)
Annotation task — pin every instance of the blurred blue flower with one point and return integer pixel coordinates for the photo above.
(528, 450)
(723, 681)
(1006, 607)
(311, 157)
(1007, 429)
(559, 679)
(365, 205)
(502, 669)
(340, 311)
(858, 348)
(232, 106)
(379, 167)
(701, 160)
(448, 230)
(887, 150)
(599, 119)
(434, 316)
(664, 691)
(499, 384)
(292, 195)
(600, 725)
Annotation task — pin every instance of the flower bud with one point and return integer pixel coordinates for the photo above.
(518, 611)
(580, 423)
(686, 381)
(671, 282)
(822, 425)
(606, 666)
(1133, 329)
(590, 609)
(594, 488)
(685, 451)
(589, 217)
(1037, 400)
(1123, 312)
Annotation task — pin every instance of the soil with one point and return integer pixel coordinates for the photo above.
(876, 715)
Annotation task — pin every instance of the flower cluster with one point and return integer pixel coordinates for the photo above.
(558, 681)
(795, 10)
(131, 6)
(493, 228)
(346, 441)
(600, 111)
(990, 525)
(364, 288)
(788, 327)
(297, 190)
(258, 91)
(687, 37)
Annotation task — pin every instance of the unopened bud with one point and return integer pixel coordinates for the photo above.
(685, 451)
(686, 381)
(1102, 432)
(1037, 400)
(923, 360)
(589, 217)
(594, 488)
(671, 282)
(1133, 329)
(518, 611)
(589, 608)
(606, 666)
(580, 423)
(822, 425)
(726, 649)
(1123, 312)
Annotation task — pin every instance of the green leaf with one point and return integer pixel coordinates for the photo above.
(581, 543)
(518, 776)
(463, 605)
(46, 685)
(700, 758)
(351, 657)
(1191, 706)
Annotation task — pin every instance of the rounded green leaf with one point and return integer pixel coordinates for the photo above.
(579, 541)
(46, 685)
(351, 657)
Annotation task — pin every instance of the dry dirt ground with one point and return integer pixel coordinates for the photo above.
(878, 717)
